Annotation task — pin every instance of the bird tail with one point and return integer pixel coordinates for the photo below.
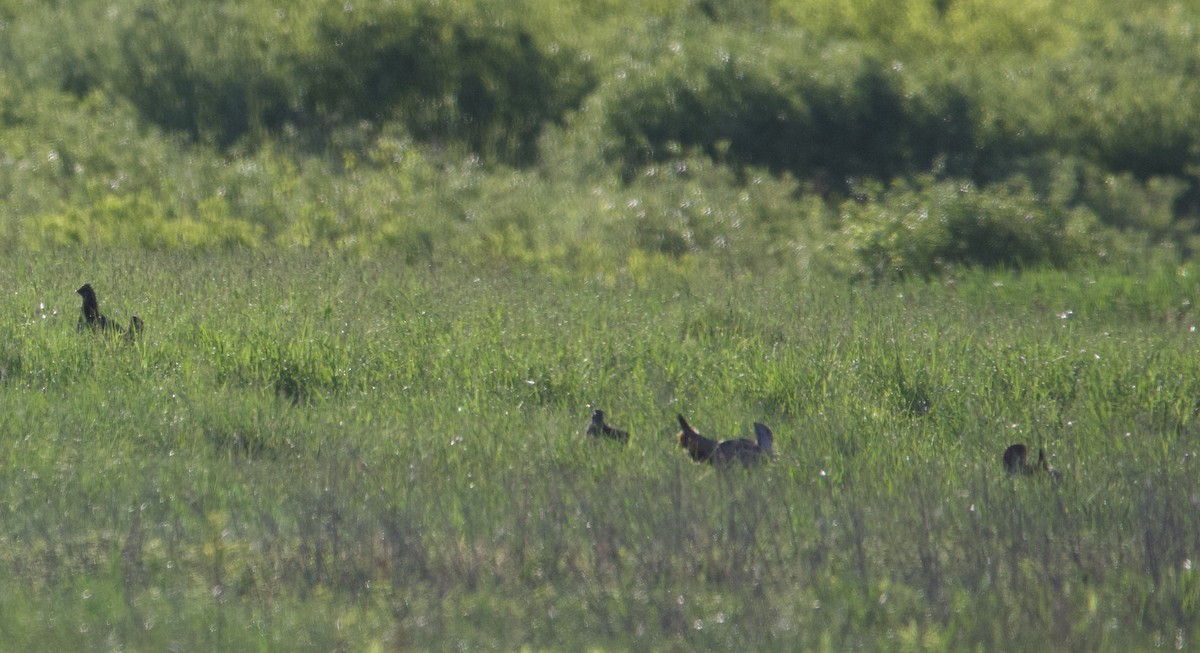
(135, 328)
(683, 424)
(766, 439)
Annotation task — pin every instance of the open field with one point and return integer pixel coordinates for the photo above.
(309, 453)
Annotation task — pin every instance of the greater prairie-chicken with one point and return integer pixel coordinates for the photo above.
(598, 428)
(707, 450)
(92, 318)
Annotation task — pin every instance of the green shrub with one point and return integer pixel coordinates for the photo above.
(900, 24)
(1117, 213)
(212, 73)
(1120, 99)
(929, 227)
(820, 111)
(692, 206)
(1114, 98)
(445, 76)
(138, 219)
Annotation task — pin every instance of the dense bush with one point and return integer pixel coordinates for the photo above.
(820, 111)
(217, 73)
(206, 71)
(928, 227)
(447, 77)
(1119, 102)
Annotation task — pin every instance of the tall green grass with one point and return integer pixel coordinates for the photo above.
(314, 453)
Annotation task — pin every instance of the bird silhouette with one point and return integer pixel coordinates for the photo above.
(597, 428)
(92, 318)
(707, 450)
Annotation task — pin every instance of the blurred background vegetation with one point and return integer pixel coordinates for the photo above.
(870, 140)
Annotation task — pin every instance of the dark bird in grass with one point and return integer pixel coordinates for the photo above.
(93, 319)
(742, 450)
(1016, 463)
(598, 428)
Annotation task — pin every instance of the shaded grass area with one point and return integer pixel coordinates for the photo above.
(313, 454)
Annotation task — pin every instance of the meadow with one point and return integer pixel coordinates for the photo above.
(327, 455)
(390, 255)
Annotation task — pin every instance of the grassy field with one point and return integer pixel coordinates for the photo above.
(312, 453)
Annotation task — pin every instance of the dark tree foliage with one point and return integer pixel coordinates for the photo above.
(854, 121)
(215, 94)
(449, 79)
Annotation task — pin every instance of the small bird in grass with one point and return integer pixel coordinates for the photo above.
(93, 319)
(597, 428)
(707, 450)
(1016, 465)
